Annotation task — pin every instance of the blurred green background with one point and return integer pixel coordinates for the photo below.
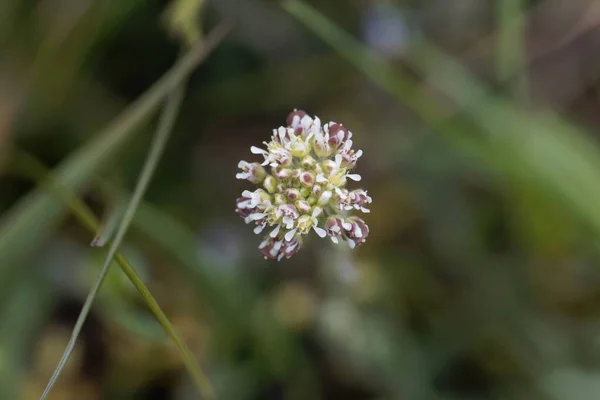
(479, 122)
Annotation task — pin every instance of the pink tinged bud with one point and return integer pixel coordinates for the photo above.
(303, 206)
(324, 198)
(316, 190)
(284, 160)
(270, 184)
(357, 232)
(293, 194)
(349, 158)
(283, 173)
(293, 119)
(242, 207)
(338, 134)
(277, 249)
(334, 228)
(307, 179)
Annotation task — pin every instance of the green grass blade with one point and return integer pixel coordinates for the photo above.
(165, 127)
(511, 45)
(30, 168)
(110, 224)
(30, 221)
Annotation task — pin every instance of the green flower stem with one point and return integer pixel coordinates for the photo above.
(29, 167)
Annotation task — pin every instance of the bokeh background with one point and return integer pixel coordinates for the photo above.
(479, 121)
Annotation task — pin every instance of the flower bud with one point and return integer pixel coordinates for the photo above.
(308, 162)
(242, 207)
(300, 148)
(334, 228)
(320, 146)
(316, 190)
(270, 184)
(358, 232)
(303, 206)
(305, 192)
(338, 134)
(280, 199)
(329, 166)
(254, 172)
(282, 173)
(307, 179)
(276, 248)
(293, 119)
(292, 194)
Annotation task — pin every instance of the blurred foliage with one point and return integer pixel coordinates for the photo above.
(480, 279)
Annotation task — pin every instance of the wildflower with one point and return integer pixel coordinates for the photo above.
(303, 177)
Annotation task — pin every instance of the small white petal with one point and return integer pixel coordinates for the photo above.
(291, 248)
(365, 210)
(321, 178)
(351, 243)
(316, 212)
(334, 239)
(255, 216)
(278, 245)
(347, 225)
(358, 232)
(354, 177)
(325, 197)
(358, 154)
(259, 228)
(338, 160)
(256, 150)
(279, 257)
(281, 132)
(242, 175)
(275, 231)
(290, 235)
(320, 231)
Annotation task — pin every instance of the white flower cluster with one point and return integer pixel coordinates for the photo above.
(305, 190)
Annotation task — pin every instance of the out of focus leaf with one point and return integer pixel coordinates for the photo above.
(30, 221)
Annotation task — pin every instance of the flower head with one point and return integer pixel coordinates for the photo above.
(303, 175)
